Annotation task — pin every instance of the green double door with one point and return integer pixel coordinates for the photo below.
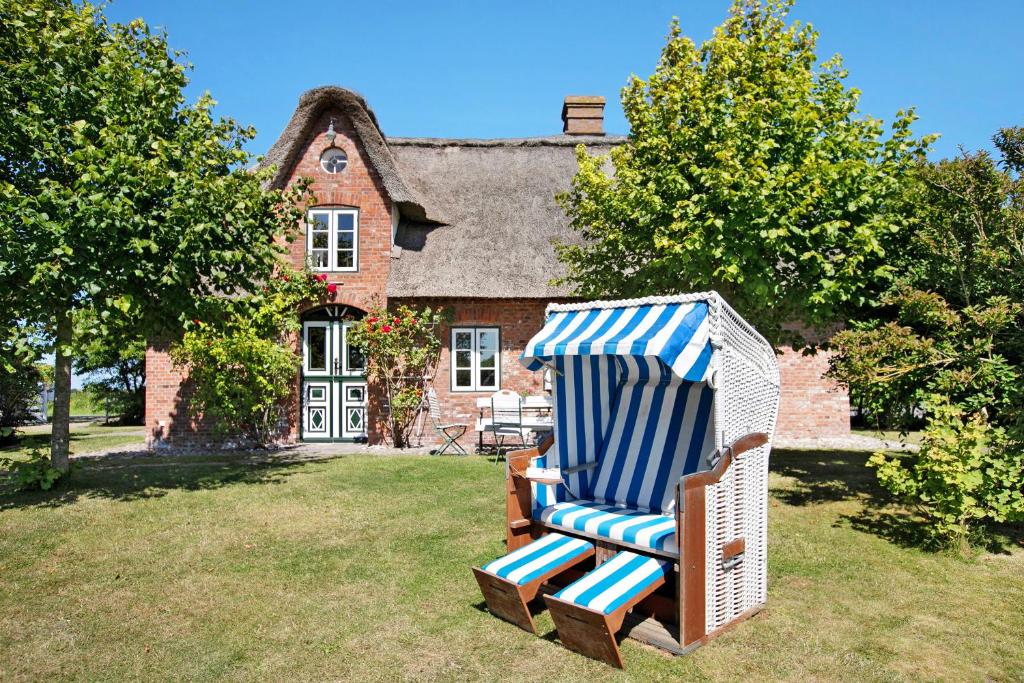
(334, 396)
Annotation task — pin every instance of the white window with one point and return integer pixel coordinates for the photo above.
(332, 239)
(476, 359)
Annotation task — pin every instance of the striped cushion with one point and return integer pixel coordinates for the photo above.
(660, 428)
(657, 532)
(616, 582)
(532, 561)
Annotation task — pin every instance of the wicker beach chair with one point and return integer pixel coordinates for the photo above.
(663, 414)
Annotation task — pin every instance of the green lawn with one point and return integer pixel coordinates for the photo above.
(86, 437)
(358, 568)
(82, 403)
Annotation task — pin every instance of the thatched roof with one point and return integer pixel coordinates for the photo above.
(496, 202)
(478, 217)
(286, 150)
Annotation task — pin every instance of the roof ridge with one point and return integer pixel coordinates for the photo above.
(537, 141)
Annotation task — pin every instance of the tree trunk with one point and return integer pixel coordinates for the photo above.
(59, 439)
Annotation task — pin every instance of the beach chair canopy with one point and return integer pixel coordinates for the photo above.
(675, 336)
(635, 393)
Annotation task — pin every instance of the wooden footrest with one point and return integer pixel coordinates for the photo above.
(589, 612)
(509, 583)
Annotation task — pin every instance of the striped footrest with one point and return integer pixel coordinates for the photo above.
(589, 612)
(535, 560)
(616, 583)
(509, 583)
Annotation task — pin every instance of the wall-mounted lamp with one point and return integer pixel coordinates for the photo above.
(330, 134)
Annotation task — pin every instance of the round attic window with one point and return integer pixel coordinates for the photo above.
(334, 160)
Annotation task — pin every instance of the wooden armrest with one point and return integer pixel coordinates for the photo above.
(715, 474)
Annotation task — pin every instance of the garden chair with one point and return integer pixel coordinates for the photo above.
(506, 420)
(657, 469)
(449, 432)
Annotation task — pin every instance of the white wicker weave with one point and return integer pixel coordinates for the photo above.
(746, 400)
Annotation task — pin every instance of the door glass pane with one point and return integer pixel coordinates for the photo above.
(463, 359)
(346, 240)
(319, 240)
(463, 340)
(463, 378)
(487, 378)
(487, 358)
(316, 342)
(356, 359)
(346, 221)
(319, 221)
(345, 259)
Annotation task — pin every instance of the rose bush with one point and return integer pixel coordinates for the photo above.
(401, 348)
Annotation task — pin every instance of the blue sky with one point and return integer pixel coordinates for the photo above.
(461, 69)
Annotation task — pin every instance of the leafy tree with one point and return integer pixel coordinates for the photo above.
(401, 348)
(242, 362)
(116, 196)
(114, 357)
(747, 170)
(949, 341)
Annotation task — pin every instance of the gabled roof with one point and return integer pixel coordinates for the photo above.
(478, 217)
(496, 202)
(288, 147)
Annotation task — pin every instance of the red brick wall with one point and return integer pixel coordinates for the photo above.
(519, 319)
(810, 406)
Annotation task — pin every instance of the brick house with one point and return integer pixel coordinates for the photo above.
(464, 224)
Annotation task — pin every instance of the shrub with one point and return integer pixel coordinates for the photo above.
(241, 379)
(34, 473)
(967, 471)
(242, 363)
(948, 344)
(19, 394)
(401, 348)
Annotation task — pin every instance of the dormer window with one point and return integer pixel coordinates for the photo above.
(333, 160)
(332, 240)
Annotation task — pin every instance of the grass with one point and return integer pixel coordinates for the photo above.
(358, 568)
(86, 437)
(890, 435)
(82, 403)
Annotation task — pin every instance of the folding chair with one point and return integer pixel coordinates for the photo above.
(449, 432)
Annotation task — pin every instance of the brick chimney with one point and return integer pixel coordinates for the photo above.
(583, 115)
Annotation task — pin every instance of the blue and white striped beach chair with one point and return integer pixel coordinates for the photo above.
(663, 411)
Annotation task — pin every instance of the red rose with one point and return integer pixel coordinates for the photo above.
(321, 277)
(413, 321)
(373, 320)
(285, 278)
(397, 320)
(332, 288)
(385, 329)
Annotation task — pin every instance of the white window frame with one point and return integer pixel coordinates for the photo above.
(332, 239)
(475, 359)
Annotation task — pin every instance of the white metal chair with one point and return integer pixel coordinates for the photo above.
(507, 419)
(449, 432)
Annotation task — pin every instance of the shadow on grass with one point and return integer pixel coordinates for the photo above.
(27, 442)
(836, 476)
(137, 478)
